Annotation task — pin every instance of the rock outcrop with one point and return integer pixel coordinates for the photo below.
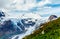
(52, 17)
(2, 14)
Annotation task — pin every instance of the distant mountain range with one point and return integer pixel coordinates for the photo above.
(18, 24)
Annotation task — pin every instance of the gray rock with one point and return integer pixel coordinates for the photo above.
(52, 17)
(2, 14)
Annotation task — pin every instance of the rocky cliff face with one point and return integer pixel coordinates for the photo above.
(2, 14)
(12, 26)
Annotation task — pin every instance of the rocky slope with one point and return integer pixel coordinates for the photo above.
(11, 25)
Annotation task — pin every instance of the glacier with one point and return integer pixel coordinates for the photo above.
(20, 25)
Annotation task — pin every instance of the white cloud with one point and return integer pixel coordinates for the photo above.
(26, 5)
(23, 4)
(42, 3)
(20, 5)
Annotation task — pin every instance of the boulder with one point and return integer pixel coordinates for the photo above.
(52, 17)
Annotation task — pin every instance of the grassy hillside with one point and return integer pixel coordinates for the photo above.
(52, 31)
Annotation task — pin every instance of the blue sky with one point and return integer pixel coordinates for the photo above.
(28, 6)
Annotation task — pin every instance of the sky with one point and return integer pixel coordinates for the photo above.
(43, 7)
